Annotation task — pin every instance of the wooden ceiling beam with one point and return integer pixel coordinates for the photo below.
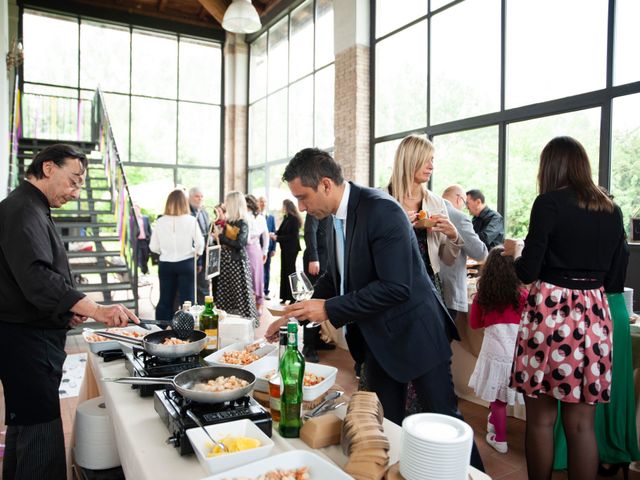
(161, 5)
(216, 8)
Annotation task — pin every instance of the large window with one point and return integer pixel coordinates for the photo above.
(290, 95)
(163, 93)
(490, 88)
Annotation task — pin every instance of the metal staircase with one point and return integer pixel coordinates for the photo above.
(88, 228)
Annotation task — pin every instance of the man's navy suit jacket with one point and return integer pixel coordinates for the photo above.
(388, 293)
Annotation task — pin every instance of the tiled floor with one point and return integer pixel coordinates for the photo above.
(510, 466)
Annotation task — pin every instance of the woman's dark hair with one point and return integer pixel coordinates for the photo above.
(58, 154)
(564, 163)
(252, 204)
(291, 210)
(498, 286)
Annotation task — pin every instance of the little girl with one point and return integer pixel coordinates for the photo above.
(497, 307)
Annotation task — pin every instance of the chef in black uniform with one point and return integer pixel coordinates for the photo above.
(38, 304)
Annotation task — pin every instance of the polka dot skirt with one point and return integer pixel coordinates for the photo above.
(564, 345)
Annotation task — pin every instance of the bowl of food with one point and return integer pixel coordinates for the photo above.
(318, 378)
(245, 443)
(242, 355)
(98, 343)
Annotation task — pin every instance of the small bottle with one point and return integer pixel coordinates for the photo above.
(282, 347)
(291, 379)
(209, 324)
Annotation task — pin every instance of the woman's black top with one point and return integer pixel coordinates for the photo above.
(236, 246)
(573, 247)
(289, 234)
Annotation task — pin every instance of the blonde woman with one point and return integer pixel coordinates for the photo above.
(235, 285)
(175, 237)
(412, 169)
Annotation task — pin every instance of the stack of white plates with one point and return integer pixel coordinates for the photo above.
(435, 447)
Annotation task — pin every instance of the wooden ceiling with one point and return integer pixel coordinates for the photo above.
(198, 13)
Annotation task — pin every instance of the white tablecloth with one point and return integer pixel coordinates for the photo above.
(141, 435)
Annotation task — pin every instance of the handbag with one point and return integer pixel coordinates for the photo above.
(231, 231)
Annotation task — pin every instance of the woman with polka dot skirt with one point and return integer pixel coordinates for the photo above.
(572, 253)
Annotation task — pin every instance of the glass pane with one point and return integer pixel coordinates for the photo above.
(257, 182)
(401, 81)
(436, 4)
(626, 67)
(384, 155)
(569, 58)
(525, 142)
(392, 14)
(324, 137)
(278, 190)
(50, 49)
(149, 187)
(278, 55)
(154, 65)
(207, 179)
(456, 161)
(200, 71)
(258, 132)
(300, 115)
(625, 146)
(277, 121)
(258, 68)
(465, 74)
(153, 130)
(198, 134)
(301, 59)
(118, 111)
(104, 57)
(324, 32)
(53, 117)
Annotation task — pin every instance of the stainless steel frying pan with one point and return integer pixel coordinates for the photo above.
(184, 383)
(152, 343)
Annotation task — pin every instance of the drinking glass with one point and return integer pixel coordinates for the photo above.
(301, 286)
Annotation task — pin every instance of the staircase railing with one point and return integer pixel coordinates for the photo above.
(16, 133)
(127, 226)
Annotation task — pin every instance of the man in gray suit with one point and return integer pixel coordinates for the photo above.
(454, 277)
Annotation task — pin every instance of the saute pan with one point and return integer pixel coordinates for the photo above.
(185, 382)
(152, 343)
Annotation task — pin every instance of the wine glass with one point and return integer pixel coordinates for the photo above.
(301, 286)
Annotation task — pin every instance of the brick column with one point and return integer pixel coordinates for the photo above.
(351, 115)
(235, 117)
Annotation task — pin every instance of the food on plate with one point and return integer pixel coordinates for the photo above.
(243, 357)
(96, 338)
(174, 341)
(233, 444)
(301, 473)
(422, 215)
(310, 379)
(221, 384)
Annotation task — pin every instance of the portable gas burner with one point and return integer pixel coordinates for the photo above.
(172, 407)
(140, 364)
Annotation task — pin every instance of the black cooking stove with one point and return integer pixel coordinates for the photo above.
(171, 407)
(140, 364)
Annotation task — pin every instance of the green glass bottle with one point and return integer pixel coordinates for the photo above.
(209, 324)
(291, 379)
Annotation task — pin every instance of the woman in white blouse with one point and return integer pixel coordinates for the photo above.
(175, 237)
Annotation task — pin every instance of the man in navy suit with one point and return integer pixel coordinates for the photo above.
(377, 285)
(271, 226)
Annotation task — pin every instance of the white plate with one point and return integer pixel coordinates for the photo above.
(434, 428)
(309, 394)
(96, 347)
(238, 428)
(216, 357)
(319, 468)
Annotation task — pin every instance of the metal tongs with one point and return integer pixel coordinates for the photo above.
(328, 404)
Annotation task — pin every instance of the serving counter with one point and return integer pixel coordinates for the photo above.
(141, 435)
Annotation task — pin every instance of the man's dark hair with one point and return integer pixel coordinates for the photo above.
(476, 194)
(57, 153)
(311, 165)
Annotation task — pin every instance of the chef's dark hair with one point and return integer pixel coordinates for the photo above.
(58, 154)
(311, 165)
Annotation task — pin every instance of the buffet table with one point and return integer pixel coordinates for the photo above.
(141, 435)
